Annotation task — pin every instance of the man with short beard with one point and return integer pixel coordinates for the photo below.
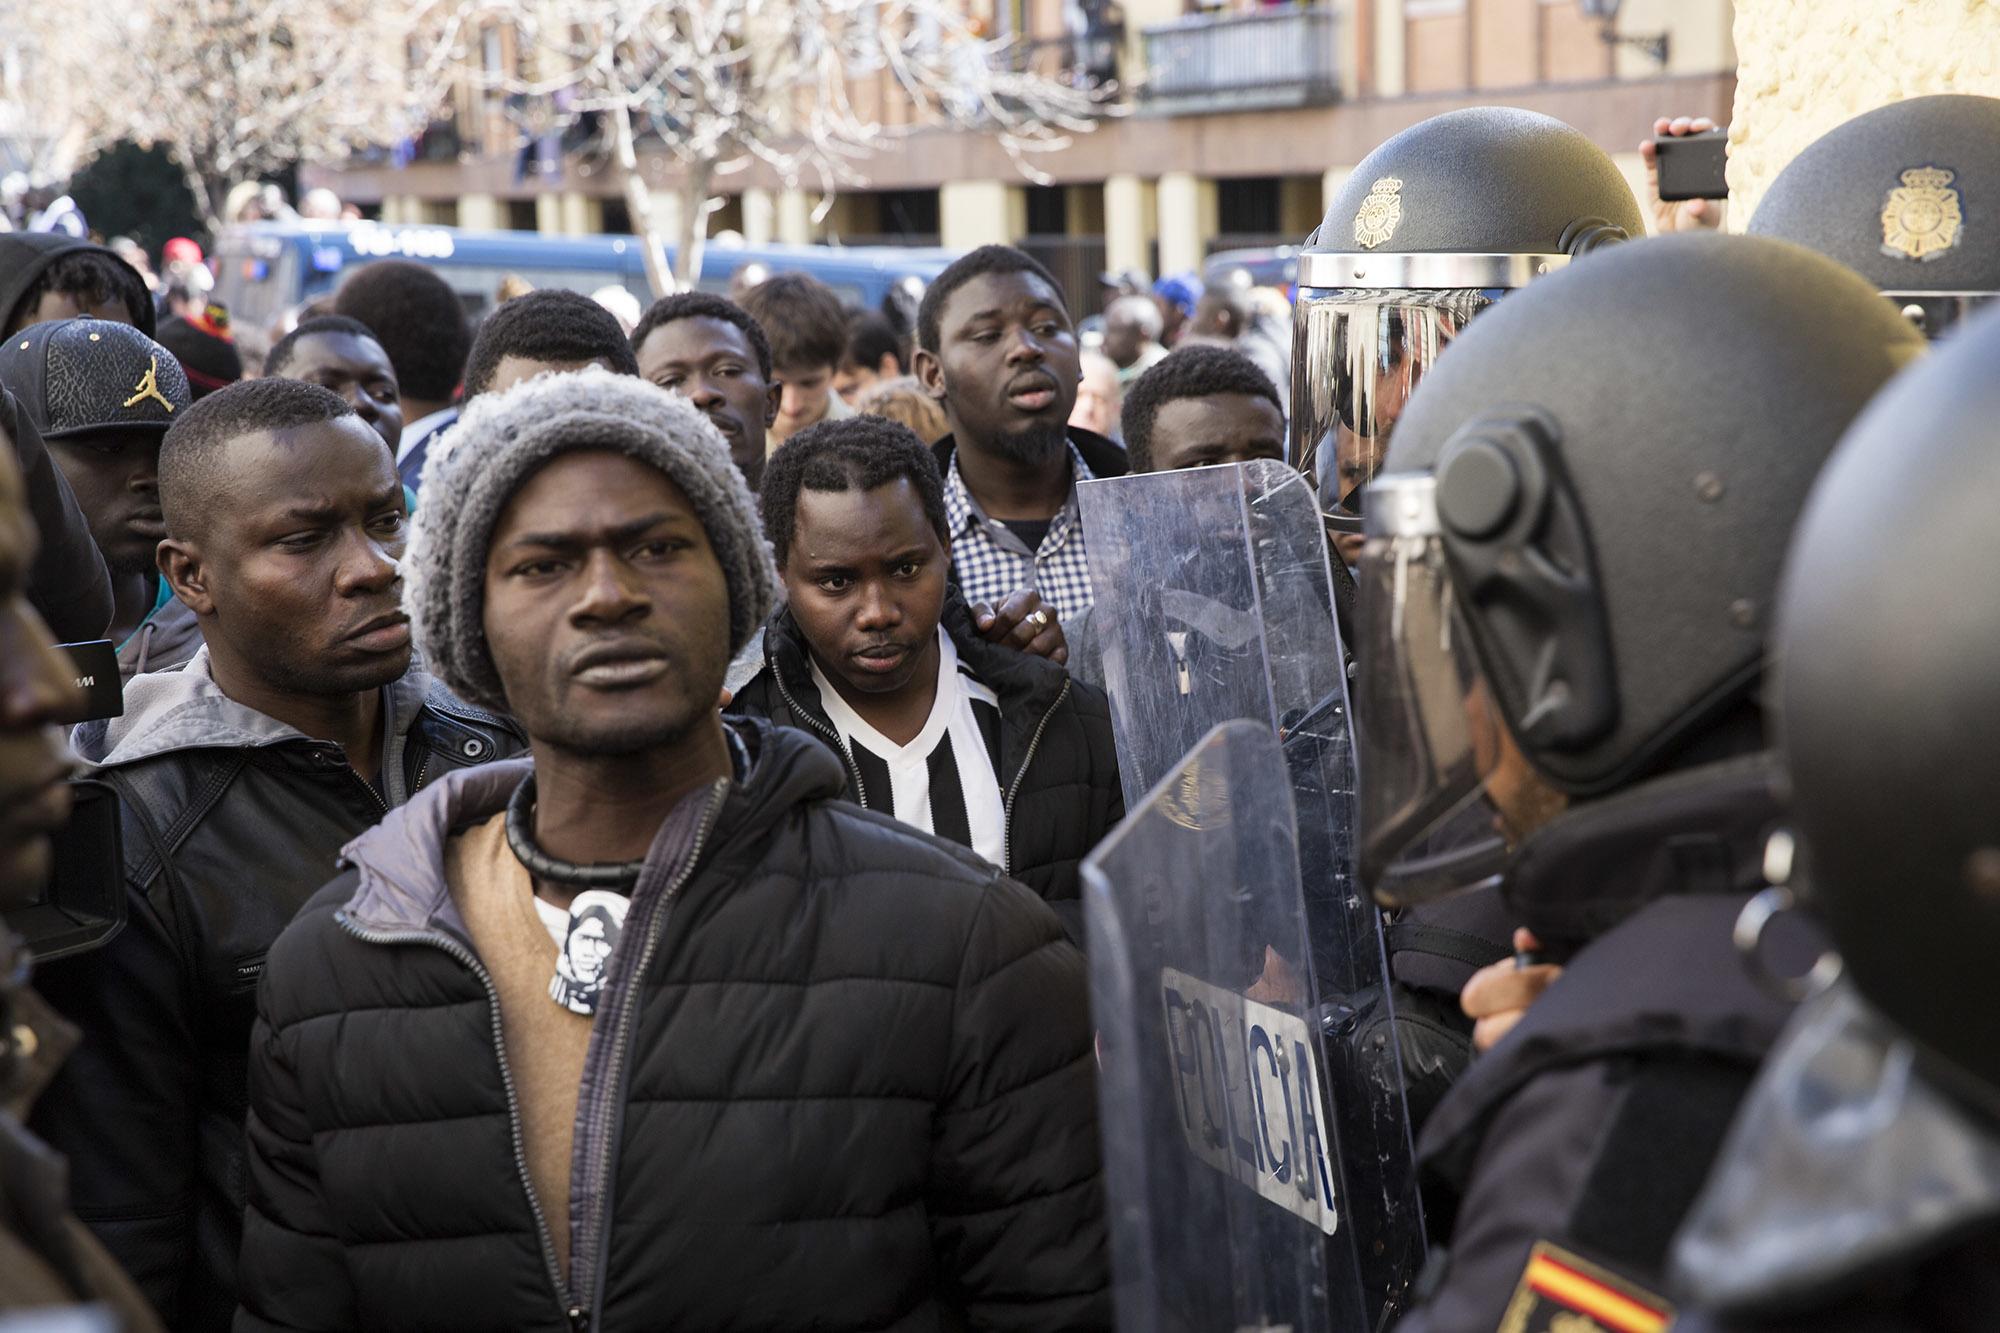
(997, 349)
(239, 777)
(655, 1031)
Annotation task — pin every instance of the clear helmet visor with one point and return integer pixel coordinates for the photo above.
(1430, 738)
(1358, 355)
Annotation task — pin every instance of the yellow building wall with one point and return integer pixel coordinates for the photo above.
(1805, 66)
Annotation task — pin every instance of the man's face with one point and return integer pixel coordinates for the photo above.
(37, 690)
(803, 402)
(607, 612)
(711, 363)
(1006, 366)
(588, 949)
(68, 305)
(513, 369)
(295, 577)
(358, 370)
(115, 476)
(1123, 339)
(1220, 428)
(865, 579)
(1097, 397)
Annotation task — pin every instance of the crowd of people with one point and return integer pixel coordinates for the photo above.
(601, 803)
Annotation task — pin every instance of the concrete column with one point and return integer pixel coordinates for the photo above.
(760, 217)
(1189, 217)
(667, 214)
(1131, 222)
(978, 212)
(1803, 69)
(481, 212)
(548, 214)
(1391, 48)
(795, 225)
(402, 210)
(581, 215)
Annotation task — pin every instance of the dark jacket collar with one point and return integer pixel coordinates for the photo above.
(1698, 831)
(1106, 458)
(401, 884)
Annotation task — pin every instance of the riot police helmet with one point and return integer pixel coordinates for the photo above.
(1574, 547)
(1888, 701)
(1896, 194)
(1434, 226)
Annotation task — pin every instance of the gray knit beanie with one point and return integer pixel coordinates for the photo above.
(502, 440)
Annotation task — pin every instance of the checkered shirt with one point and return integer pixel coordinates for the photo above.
(990, 561)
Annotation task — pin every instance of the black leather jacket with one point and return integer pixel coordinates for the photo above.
(231, 821)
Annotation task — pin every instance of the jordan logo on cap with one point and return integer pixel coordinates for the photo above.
(149, 387)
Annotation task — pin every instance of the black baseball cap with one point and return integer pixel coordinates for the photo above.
(80, 375)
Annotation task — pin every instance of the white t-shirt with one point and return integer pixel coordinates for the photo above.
(943, 781)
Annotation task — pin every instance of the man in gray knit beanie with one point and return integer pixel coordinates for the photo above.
(825, 1034)
(503, 439)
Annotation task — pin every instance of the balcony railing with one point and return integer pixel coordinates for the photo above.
(1278, 57)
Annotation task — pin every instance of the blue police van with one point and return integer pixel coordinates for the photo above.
(263, 269)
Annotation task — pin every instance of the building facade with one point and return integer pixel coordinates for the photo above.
(1235, 121)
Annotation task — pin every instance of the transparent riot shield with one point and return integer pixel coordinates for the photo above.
(1213, 600)
(1257, 1149)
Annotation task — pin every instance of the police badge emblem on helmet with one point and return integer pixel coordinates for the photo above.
(1380, 213)
(1921, 218)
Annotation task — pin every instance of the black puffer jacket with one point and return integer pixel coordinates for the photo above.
(231, 821)
(1057, 763)
(857, 1091)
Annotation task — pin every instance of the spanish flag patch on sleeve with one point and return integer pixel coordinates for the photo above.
(1560, 1293)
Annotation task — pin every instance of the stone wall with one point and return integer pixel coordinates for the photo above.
(1805, 66)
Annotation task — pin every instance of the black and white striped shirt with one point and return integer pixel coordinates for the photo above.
(946, 780)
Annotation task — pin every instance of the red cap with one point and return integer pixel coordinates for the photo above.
(180, 247)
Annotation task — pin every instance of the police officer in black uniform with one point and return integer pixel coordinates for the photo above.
(1896, 195)
(1435, 226)
(1572, 556)
(1860, 1189)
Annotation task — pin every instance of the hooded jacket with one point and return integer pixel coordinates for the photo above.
(1592, 1124)
(166, 639)
(1054, 756)
(26, 255)
(840, 1078)
(230, 820)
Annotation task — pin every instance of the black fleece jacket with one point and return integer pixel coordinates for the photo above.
(1057, 763)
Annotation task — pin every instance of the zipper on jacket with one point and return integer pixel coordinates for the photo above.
(614, 1081)
(826, 729)
(570, 1309)
(1014, 787)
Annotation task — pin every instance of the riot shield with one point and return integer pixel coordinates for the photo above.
(1213, 600)
(1257, 1150)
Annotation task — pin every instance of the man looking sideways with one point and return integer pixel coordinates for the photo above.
(994, 749)
(996, 348)
(709, 351)
(239, 776)
(344, 355)
(834, 1074)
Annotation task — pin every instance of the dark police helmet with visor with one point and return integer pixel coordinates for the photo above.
(1905, 196)
(1575, 542)
(1433, 226)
